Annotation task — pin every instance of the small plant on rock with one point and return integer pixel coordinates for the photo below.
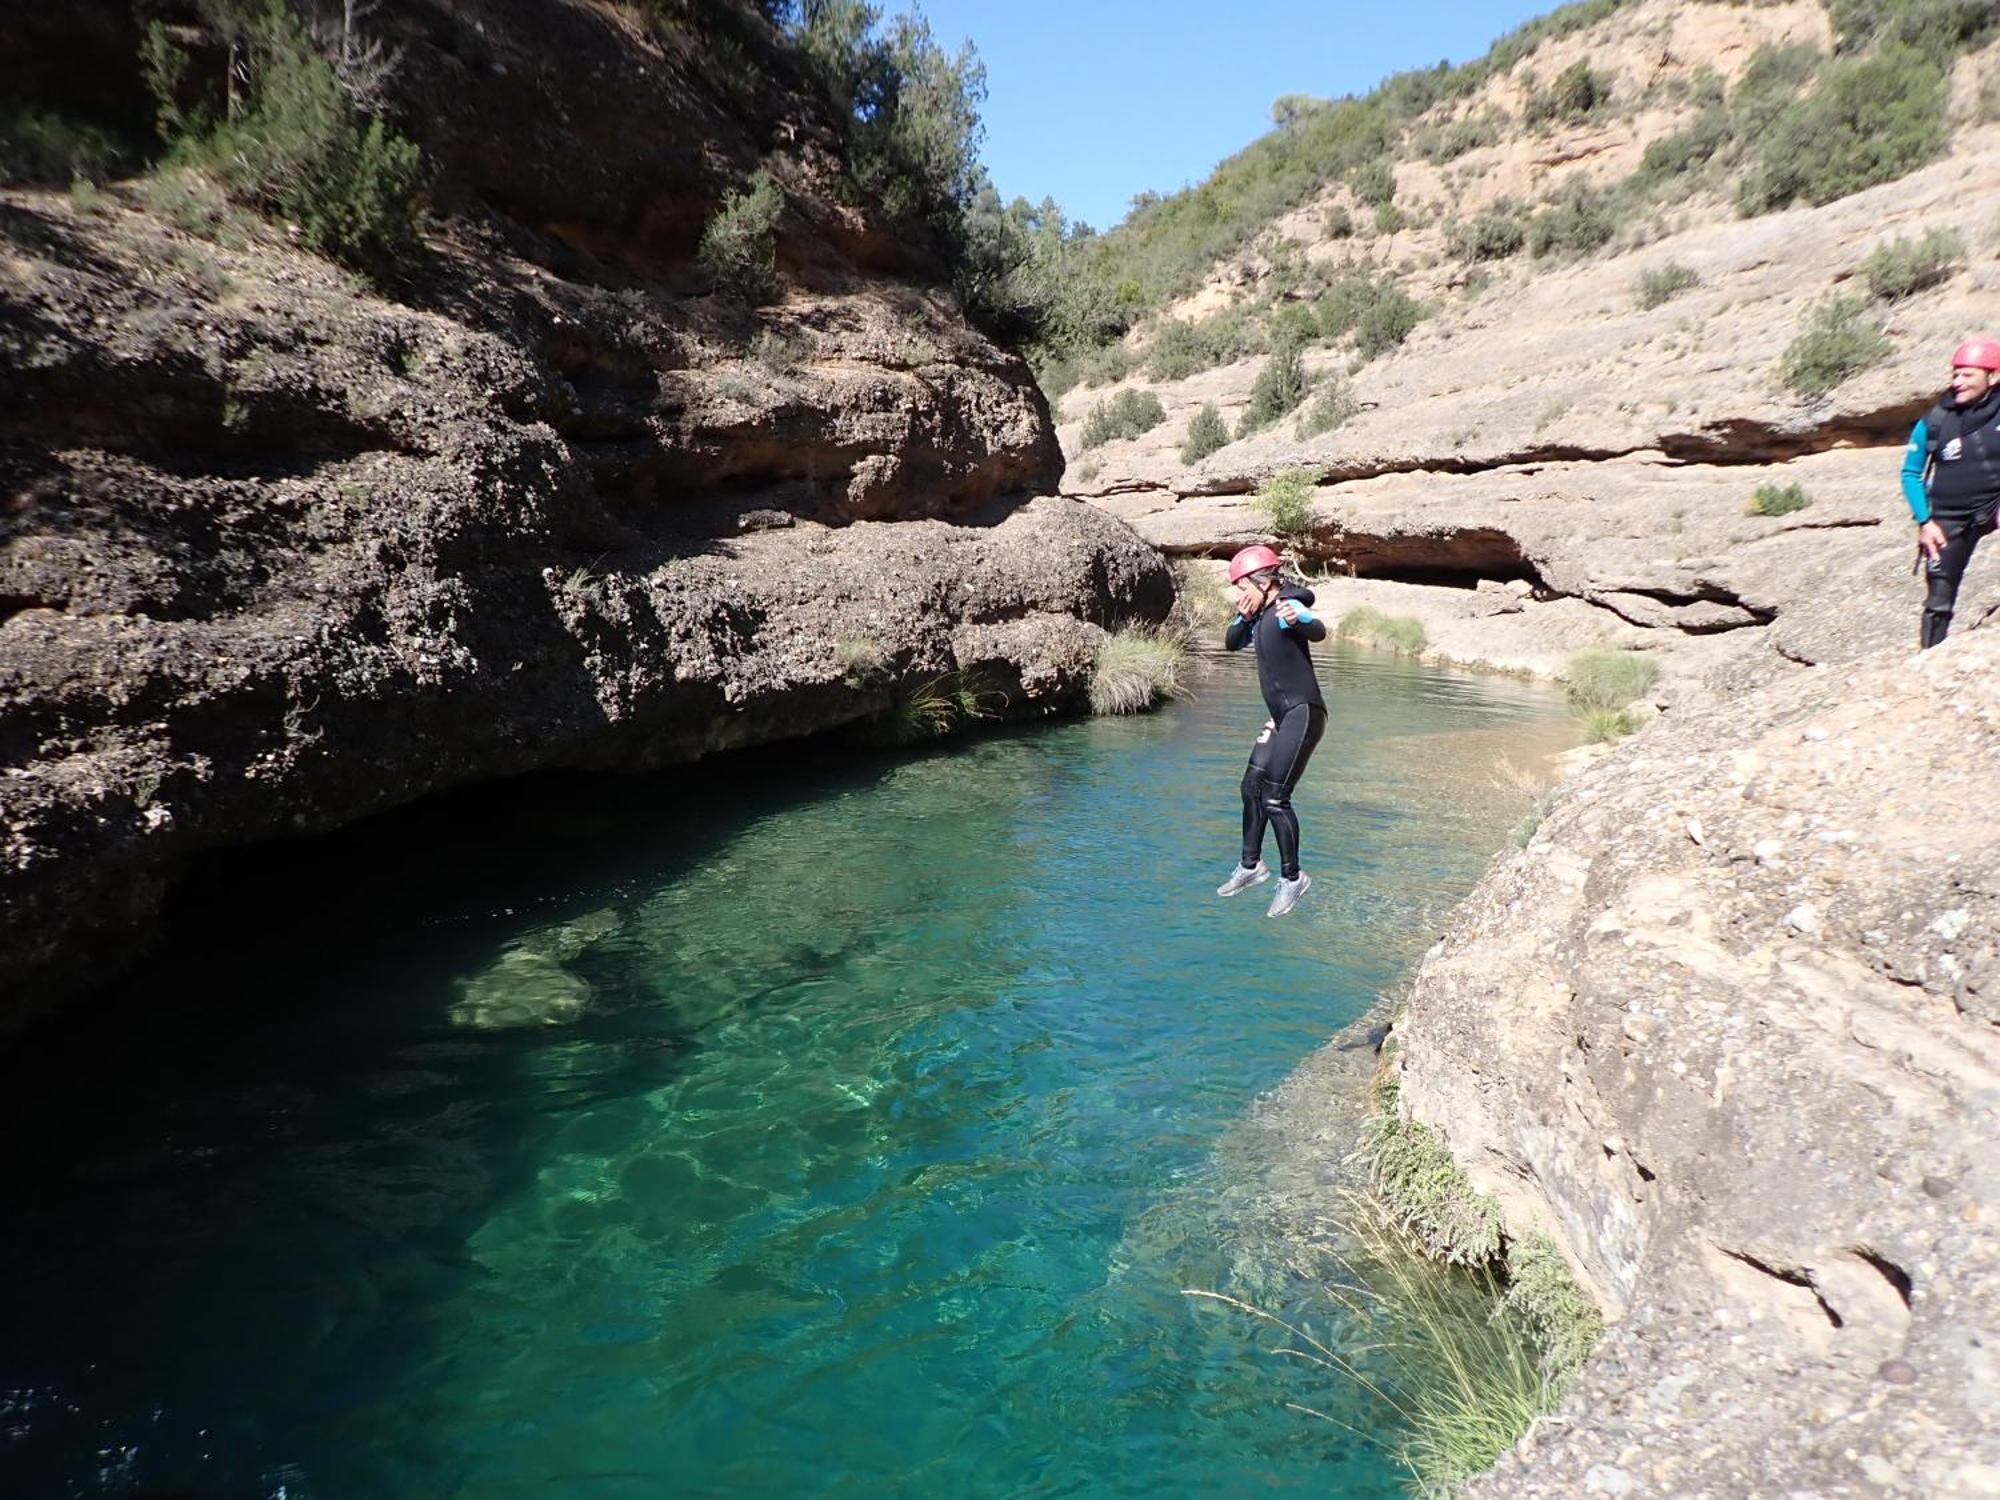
(1126, 415)
(1286, 500)
(1335, 404)
(1280, 386)
(1903, 267)
(1661, 284)
(739, 247)
(1206, 434)
(1841, 339)
(1777, 500)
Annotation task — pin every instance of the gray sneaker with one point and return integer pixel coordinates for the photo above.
(1288, 895)
(1241, 879)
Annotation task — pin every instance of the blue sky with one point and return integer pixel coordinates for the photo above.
(1091, 101)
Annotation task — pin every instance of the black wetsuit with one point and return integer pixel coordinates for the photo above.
(1298, 719)
(1955, 453)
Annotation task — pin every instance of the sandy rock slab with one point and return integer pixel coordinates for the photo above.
(1727, 1028)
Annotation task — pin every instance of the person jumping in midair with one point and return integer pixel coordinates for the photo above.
(1951, 478)
(1278, 618)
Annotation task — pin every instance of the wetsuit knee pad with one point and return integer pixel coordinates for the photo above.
(1273, 792)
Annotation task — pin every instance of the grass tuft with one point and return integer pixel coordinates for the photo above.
(1609, 679)
(1601, 726)
(1403, 634)
(1136, 669)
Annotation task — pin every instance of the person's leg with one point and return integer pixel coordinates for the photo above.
(1254, 817)
(1942, 575)
(1290, 748)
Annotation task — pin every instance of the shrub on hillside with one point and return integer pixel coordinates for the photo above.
(52, 150)
(1331, 408)
(1125, 415)
(1869, 120)
(1686, 150)
(1777, 500)
(1658, 284)
(1374, 183)
(1337, 224)
(1939, 28)
(1577, 221)
(1205, 435)
(739, 247)
(291, 142)
(1180, 349)
(1280, 386)
(1386, 322)
(1492, 236)
(1286, 500)
(1576, 93)
(1841, 339)
(1443, 143)
(1106, 366)
(1769, 83)
(1903, 267)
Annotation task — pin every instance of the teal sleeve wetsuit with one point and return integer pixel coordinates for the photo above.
(1951, 477)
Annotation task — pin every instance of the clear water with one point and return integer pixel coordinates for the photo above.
(813, 1123)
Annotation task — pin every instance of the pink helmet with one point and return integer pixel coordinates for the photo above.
(1251, 560)
(1980, 354)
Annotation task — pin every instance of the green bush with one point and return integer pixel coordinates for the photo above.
(1337, 223)
(1903, 267)
(292, 143)
(1202, 610)
(1869, 120)
(1125, 415)
(1491, 236)
(1672, 157)
(1403, 634)
(1206, 434)
(1180, 349)
(1279, 388)
(1136, 669)
(1609, 679)
(739, 246)
(1107, 366)
(1374, 183)
(1576, 93)
(1443, 143)
(42, 147)
(1286, 500)
(1294, 323)
(1389, 218)
(1937, 28)
(1777, 500)
(1385, 324)
(1841, 339)
(1579, 220)
(1375, 310)
(1659, 284)
(1334, 405)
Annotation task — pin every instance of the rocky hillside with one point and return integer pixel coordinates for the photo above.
(1723, 1027)
(282, 544)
